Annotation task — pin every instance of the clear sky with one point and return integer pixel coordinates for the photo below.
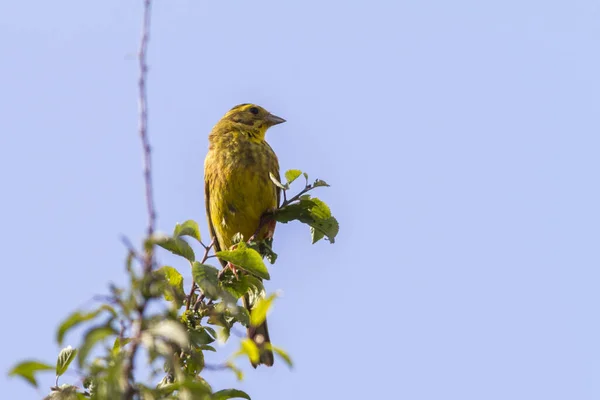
(460, 138)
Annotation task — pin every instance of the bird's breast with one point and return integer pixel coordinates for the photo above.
(240, 187)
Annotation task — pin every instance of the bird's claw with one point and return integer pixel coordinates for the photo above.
(230, 267)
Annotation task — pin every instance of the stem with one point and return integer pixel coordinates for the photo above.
(268, 216)
(143, 104)
(148, 260)
(188, 302)
(306, 189)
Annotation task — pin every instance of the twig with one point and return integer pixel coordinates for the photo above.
(198, 301)
(306, 189)
(143, 104)
(190, 294)
(131, 248)
(268, 215)
(188, 302)
(149, 256)
(217, 367)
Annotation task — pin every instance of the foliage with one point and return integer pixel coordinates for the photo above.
(177, 333)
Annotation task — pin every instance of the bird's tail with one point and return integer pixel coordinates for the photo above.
(260, 336)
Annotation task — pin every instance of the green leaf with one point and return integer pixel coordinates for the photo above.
(283, 354)
(210, 330)
(245, 284)
(195, 362)
(246, 259)
(236, 287)
(28, 369)
(257, 288)
(225, 331)
(207, 279)
(129, 261)
(277, 183)
(188, 228)
(65, 392)
(195, 386)
(327, 227)
(90, 339)
(313, 212)
(65, 357)
(242, 315)
(265, 249)
(296, 211)
(260, 309)
(119, 344)
(316, 235)
(172, 331)
(201, 337)
(175, 280)
(249, 348)
(319, 183)
(230, 394)
(237, 238)
(320, 210)
(77, 318)
(238, 372)
(176, 245)
(291, 175)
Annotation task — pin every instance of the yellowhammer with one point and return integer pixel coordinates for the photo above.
(238, 188)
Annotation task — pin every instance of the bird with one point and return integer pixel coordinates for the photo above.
(239, 190)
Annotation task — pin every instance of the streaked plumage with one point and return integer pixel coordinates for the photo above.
(238, 189)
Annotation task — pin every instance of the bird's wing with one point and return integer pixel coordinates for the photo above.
(213, 234)
(276, 174)
(278, 192)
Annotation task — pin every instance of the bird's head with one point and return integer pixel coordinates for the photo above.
(251, 119)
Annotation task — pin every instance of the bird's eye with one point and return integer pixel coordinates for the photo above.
(254, 110)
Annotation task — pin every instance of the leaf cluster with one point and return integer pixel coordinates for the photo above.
(176, 335)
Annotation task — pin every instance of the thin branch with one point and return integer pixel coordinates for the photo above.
(143, 127)
(188, 302)
(198, 301)
(125, 240)
(268, 216)
(306, 189)
(148, 261)
(217, 367)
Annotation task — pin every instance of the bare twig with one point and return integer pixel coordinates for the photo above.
(143, 127)
(306, 189)
(217, 367)
(148, 260)
(125, 240)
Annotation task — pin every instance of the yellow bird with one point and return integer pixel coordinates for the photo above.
(238, 189)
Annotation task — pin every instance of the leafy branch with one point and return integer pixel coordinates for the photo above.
(306, 209)
(178, 337)
(175, 338)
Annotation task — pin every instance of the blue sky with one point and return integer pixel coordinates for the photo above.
(460, 139)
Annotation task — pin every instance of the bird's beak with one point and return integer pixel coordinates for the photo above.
(274, 120)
